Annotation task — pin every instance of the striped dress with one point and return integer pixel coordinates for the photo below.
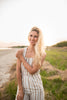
(31, 82)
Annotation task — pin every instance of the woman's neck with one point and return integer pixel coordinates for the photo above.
(31, 48)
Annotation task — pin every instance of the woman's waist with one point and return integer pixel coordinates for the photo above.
(36, 77)
(30, 75)
(26, 73)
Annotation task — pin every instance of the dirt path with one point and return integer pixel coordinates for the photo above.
(48, 67)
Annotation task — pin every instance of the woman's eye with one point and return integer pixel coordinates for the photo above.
(35, 36)
(30, 35)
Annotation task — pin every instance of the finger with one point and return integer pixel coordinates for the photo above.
(16, 54)
(18, 98)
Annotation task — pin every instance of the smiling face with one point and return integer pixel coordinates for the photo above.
(33, 37)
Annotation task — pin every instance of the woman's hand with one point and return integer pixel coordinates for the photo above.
(20, 56)
(19, 53)
(20, 95)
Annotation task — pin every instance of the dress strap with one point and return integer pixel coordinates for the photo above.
(24, 53)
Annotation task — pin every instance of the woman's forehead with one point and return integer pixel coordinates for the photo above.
(34, 33)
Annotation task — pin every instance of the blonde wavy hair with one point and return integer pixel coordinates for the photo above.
(39, 47)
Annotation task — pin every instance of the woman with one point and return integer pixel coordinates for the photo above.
(29, 62)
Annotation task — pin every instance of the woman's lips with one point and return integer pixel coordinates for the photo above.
(32, 41)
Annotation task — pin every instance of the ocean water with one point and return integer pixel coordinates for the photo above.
(5, 48)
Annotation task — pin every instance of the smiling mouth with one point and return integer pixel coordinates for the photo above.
(32, 41)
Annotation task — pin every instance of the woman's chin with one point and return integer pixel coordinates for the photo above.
(32, 44)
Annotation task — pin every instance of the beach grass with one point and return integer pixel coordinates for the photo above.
(46, 74)
(55, 89)
(11, 89)
(57, 57)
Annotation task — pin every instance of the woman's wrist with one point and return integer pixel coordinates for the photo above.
(20, 88)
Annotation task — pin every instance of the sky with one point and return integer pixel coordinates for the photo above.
(17, 17)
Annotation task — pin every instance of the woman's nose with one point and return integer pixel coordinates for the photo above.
(32, 38)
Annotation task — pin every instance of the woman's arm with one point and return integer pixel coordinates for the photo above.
(34, 68)
(18, 73)
(19, 79)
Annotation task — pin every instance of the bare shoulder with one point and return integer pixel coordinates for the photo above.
(19, 52)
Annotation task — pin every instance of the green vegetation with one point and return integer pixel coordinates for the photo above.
(57, 57)
(0, 94)
(56, 89)
(18, 46)
(61, 44)
(11, 89)
(45, 74)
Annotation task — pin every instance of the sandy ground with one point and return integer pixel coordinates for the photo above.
(60, 73)
(7, 59)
